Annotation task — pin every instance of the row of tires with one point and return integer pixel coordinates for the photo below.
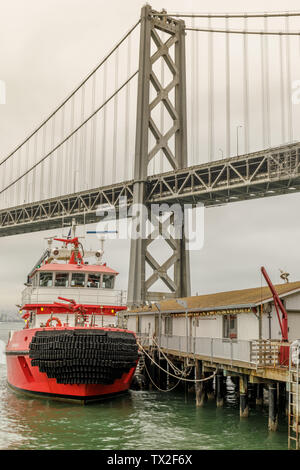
(82, 354)
(92, 346)
(61, 365)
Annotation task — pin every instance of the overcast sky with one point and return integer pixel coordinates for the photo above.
(46, 48)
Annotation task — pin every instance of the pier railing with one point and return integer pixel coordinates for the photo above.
(270, 353)
(229, 349)
(257, 353)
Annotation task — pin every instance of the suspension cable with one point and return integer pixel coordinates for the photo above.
(243, 31)
(74, 91)
(227, 15)
(71, 134)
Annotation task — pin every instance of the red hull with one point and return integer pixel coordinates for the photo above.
(22, 376)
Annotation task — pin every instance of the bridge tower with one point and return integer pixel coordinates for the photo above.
(175, 271)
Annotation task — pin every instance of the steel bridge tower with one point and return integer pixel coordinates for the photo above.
(175, 271)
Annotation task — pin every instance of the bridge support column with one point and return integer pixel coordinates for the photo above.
(172, 274)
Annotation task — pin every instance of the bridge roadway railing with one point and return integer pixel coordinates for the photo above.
(260, 174)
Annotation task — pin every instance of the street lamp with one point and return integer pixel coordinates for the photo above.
(237, 140)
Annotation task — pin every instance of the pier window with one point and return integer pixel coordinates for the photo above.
(62, 280)
(93, 280)
(169, 326)
(46, 279)
(230, 326)
(78, 280)
(108, 281)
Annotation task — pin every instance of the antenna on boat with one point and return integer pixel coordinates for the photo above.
(100, 252)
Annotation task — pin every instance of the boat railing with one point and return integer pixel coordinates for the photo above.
(85, 295)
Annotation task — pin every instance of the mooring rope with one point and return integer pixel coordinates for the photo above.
(172, 375)
(176, 370)
(158, 388)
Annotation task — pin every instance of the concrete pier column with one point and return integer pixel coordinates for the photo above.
(273, 408)
(220, 389)
(199, 386)
(244, 406)
(259, 399)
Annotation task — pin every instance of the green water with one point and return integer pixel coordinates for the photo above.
(138, 421)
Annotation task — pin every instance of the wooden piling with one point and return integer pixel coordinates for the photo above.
(273, 408)
(199, 386)
(210, 394)
(220, 389)
(244, 406)
(259, 399)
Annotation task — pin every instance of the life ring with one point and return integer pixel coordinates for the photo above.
(51, 319)
(26, 319)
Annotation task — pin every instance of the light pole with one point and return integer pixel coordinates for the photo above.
(237, 140)
(222, 153)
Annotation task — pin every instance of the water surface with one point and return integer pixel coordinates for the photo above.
(138, 421)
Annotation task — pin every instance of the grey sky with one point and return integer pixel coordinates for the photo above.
(46, 48)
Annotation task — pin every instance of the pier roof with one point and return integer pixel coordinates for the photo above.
(244, 298)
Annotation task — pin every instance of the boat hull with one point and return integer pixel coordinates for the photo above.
(41, 361)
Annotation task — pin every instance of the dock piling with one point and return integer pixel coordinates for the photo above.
(220, 389)
(244, 406)
(273, 408)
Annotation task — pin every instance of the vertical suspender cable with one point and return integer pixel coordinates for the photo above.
(228, 111)
(103, 153)
(34, 170)
(267, 90)
(71, 157)
(91, 178)
(18, 173)
(127, 114)
(192, 107)
(282, 101)
(162, 81)
(60, 161)
(210, 94)
(195, 66)
(263, 90)
(26, 166)
(82, 156)
(267, 87)
(288, 83)
(115, 130)
(43, 164)
(50, 174)
(246, 89)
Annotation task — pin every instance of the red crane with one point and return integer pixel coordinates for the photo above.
(283, 322)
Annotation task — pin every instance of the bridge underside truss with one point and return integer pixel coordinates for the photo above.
(262, 174)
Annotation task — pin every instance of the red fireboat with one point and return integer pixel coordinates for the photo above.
(71, 347)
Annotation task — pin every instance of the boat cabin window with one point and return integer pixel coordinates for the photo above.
(62, 280)
(46, 279)
(78, 280)
(108, 281)
(93, 280)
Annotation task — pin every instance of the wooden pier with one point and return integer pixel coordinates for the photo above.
(261, 376)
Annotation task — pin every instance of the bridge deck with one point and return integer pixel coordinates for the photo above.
(261, 174)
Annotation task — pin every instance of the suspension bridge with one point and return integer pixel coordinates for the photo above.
(185, 108)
